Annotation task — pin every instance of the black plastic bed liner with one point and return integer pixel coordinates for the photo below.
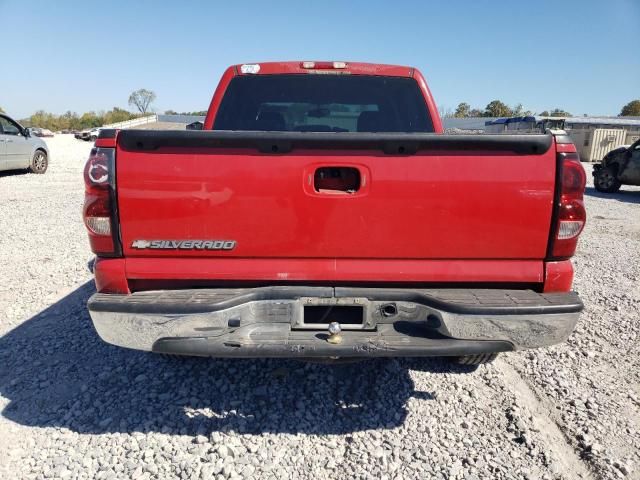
(284, 142)
(460, 301)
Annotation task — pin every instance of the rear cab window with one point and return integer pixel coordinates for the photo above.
(323, 103)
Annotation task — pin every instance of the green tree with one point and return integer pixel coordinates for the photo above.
(116, 115)
(44, 119)
(556, 112)
(497, 108)
(462, 111)
(69, 121)
(199, 113)
(476, 112)
(519, 111)
(631, 109)
(445, 112)
(90, 120)
(142, 99)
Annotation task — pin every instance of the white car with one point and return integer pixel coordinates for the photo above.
(18, 149)
(93, 134)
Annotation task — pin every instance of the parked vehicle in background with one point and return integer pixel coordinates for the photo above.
(94, 133)
(620, 166)
(197, 125)
(89, 134)
(82, 134)
(524, 124)
(39, 132)
(18, 149)
(43, 132)
(323, 213)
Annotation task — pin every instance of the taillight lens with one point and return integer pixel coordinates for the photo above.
(99, 211)
(571, 214)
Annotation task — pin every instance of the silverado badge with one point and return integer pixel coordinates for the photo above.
(184, 244)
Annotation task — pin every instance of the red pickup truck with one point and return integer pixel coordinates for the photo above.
(322, 212)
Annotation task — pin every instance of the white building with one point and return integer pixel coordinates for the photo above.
(594, 137)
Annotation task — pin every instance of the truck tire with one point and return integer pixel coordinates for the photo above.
(39, 162)
(478, 359)
(93, 138)
(606, 180)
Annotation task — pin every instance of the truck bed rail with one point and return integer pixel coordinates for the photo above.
(284, 142)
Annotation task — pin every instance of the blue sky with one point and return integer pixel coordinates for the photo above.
(578, 55)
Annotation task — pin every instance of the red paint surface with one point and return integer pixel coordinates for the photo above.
(428, 217)
(558, 276)
(565, 148)
(106, 142)
(110, 275)
(323, 269)
(412, 207)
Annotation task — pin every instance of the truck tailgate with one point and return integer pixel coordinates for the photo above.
(335, 196)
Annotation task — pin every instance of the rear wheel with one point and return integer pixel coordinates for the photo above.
(39, 162)
(478, 359)
(93, 138)
(606, 180)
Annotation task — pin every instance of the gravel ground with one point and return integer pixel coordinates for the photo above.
(74, 407)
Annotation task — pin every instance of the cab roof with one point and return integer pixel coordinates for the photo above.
(324, 67)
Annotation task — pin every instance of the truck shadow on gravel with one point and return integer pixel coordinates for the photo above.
(627, 196)
(56, 372)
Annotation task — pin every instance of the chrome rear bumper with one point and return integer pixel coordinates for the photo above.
(270, 321)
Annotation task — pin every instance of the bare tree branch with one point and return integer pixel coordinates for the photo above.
(141, 99)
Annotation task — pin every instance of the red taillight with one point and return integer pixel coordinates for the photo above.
(99, 202)
(571, 215)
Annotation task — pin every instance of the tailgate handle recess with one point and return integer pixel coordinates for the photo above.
(336, 180)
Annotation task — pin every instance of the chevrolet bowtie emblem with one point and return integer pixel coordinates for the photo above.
(141, 244)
